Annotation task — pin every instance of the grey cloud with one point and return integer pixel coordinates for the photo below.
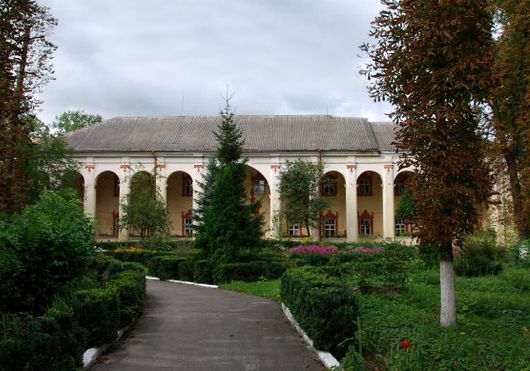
(162, 57)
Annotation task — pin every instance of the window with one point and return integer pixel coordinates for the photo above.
(259, 187)
(187, 186)
(400, 226)
(329, 188)
(330, 227)
(365, 187)
(294, 230)
(188, 226)
(366, 227)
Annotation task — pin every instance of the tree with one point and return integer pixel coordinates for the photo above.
(432, 62)
(230, 223)
(510, 103)
(206, 191)
(74, 120)
(25, 55)
(406, 208)
(299, 188)
(144, 210)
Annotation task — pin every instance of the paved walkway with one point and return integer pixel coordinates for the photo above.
(194, 328)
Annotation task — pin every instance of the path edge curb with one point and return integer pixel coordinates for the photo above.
(183, 282)
(91, 355)
(325, 357)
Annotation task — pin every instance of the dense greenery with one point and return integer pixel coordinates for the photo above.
(144, 210)
(46, 246)
(299, 189)
(73, 120)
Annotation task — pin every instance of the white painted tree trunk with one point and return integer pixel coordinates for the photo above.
(447, 293)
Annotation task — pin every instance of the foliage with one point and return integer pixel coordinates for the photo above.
(432, 61)
(202, 271)
(520, 253)
(206, 187)
(130, 285)
(176, 245)
(53, 241)
(230, 222)
(313, 249)
(249, 271)
(144, 210)
(509, 100)
(52, 342)
(323, 306)
(265, 288)
(73, 120)
(165, 266)
(299, 188)
(135, 254)
(479, 255)
(406, 208)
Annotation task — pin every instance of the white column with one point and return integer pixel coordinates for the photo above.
(274, 198)
(352, 230)
(125, 187)
(89, 201)
(388, 202)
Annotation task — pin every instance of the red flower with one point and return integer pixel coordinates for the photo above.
(404, 344)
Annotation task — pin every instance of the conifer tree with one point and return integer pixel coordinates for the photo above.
(432, 61)
(230, 223)
(205, 191)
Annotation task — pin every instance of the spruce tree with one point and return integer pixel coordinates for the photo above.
(229, 223)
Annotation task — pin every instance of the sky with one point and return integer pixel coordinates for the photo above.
(179, 57)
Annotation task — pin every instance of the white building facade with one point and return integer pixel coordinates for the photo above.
(359, 160)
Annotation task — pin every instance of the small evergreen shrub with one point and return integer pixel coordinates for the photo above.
(479, 255)
(249, 271)
(130, 285)
(324, 307)
(135, 254)
(202, 271)
(99, 313)
(165, 266)
(185, 269)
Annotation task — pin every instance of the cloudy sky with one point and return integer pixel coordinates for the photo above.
(177, 57)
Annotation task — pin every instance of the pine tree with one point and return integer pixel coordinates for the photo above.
(206, 190)
(229, 223)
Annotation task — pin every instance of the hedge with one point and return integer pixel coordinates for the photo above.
(202, 271)
(165, 266)
(186, 270)
(323, 306)
(249, 271)
(130, 286)
(165, 245)
(52, 342)
(135, 255)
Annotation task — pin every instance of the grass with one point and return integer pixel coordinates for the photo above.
(267, 288)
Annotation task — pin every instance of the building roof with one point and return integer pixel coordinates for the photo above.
(262, 134)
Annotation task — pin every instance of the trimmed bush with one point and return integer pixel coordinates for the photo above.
(202, 271)
(99, 313)
(165, 267)
(186, 270)
(250, 271)
(53, 342)
(323, 306)
(135, 254)
(130, 285)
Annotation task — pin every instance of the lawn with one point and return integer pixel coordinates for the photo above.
(266, 288)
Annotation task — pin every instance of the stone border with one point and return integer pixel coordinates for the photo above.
(325, 357)
(184, 282)
(91, 355)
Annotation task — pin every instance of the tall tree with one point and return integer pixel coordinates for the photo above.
(73, 120)
(230, 223)
(205, 191)
(510, 102)
(299, 189)
(25, 55)
(432, 61)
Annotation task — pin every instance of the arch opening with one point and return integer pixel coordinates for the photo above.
(107, 204)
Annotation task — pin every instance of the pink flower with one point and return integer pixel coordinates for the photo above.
(313, 249)
(369, 249)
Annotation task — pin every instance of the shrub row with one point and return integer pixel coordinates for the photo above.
(249, 271)
(323, 306)
(164, 245)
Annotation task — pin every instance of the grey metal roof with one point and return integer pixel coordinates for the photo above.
(262, 134)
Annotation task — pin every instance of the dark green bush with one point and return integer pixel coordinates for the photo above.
(323, 306)
(130, 285)
(53, 241)
(249, 271)
(163, 246)
(165, 266)
(136, 267)
(106, 266)
(313, 258)
(479, 255)
(99, 313)
(52, 342)
(202, 271)
(10, 271)
(185, 269)
(136, 255)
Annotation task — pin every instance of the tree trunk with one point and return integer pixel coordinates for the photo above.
(447, 288)
(517, 198)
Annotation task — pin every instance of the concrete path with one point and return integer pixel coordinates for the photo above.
(194, 328)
